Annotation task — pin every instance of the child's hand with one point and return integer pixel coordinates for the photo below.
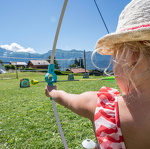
(49, 89)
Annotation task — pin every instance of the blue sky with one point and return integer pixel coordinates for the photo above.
(30, 25)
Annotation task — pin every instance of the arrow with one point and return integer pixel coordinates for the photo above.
(111, 78)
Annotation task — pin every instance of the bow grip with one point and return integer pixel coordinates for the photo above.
(50, 76)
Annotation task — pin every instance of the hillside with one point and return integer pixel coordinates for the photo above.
(64, 58)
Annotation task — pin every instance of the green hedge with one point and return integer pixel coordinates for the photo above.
(9, 66)
(30, 68)
(57, 72)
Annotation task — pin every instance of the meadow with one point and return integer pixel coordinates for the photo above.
(27, 119)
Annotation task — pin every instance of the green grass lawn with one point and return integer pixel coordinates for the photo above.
(27, 119)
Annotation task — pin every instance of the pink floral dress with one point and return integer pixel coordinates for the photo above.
(107, 126)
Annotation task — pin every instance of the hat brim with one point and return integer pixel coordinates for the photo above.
(104, 44)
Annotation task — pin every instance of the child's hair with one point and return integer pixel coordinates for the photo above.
(129, 55)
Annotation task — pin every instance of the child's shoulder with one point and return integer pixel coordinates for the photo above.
(108, 92)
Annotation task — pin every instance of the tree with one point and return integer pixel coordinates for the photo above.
(77, 63)
(57, 66)
(48, 59)
(81, 62)
(1, 61)
(72, 66)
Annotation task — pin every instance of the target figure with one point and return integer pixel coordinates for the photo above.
(24, 83)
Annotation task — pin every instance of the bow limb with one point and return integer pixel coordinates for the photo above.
(51, 77)
(57, 32)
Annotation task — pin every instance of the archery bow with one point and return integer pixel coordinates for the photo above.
(51, 77)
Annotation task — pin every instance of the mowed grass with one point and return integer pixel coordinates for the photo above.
(27, 119)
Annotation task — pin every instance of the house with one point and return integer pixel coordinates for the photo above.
(39, 64)
(19, 64)
(96, 72)
(77, 70)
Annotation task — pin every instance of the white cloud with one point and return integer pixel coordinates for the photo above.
(17, 48)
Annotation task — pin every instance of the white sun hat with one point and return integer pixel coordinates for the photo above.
(133, 25)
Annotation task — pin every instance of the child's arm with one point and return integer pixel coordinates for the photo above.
(83, 104)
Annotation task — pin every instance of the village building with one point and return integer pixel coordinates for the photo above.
(19, 64)
(96, 72)
(38, 64)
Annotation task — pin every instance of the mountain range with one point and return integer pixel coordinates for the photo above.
(64, 58)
